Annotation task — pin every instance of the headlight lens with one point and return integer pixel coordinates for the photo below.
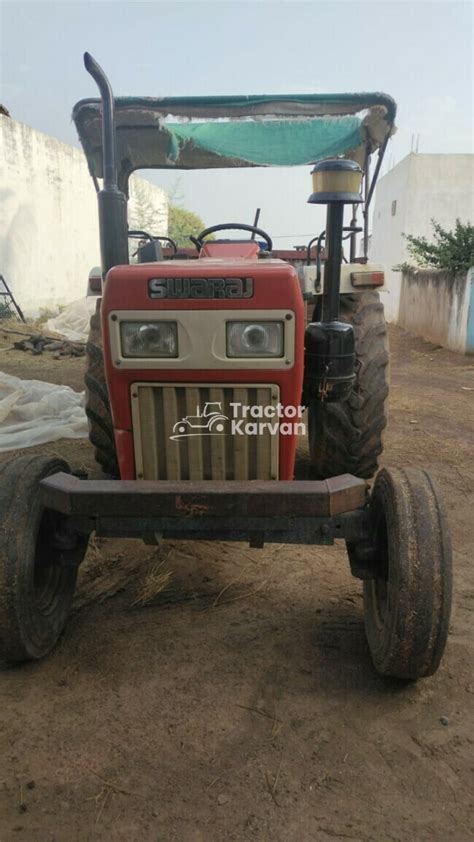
(254, 339)
(149, 339)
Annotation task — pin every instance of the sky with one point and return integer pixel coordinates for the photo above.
(419, 52)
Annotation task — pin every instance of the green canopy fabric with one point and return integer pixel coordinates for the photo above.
(249, 131)
(273, 143)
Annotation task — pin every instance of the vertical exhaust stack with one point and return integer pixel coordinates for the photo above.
(329, 369)
(113, 225)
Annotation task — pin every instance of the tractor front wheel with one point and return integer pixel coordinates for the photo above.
(101, 429)
(408, 602)
(39, 558)
(346, 437)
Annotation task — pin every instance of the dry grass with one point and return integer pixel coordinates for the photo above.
(13, 331)
(218, 602)
(155, 582)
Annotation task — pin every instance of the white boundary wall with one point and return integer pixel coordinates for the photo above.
(439, 308)
(419, 188)
(49, 236)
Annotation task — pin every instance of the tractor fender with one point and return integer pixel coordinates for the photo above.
(355, 278)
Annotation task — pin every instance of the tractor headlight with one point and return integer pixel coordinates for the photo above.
(254, 339)
(149, 339)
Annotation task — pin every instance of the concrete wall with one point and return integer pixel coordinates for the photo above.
(439, 308)
(48, 225)
(424, 187)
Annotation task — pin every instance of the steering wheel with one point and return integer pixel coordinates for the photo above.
(231, 226)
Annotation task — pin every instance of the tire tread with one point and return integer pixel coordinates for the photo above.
(99, 416)
(347, 437)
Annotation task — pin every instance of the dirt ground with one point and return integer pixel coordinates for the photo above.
(241, 704)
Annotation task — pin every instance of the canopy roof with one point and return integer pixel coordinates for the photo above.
(236, 131)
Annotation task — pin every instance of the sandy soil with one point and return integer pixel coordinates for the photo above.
(241, 704)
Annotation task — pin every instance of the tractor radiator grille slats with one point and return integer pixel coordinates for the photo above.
(197, 453)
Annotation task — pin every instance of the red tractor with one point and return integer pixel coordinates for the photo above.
(199, 371)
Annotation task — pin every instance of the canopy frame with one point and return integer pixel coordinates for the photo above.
(121, 135)
(142, 132)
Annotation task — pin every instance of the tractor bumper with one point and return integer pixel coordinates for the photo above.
(297, 512)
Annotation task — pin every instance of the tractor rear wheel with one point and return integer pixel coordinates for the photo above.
(407, 604)
(101, 430)
(39, 558)
(346, 437)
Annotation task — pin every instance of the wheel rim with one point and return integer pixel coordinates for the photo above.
(49, 566)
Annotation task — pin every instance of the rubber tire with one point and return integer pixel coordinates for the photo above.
(346, 437)
(407, 628)
(101, 430)
(31, 620)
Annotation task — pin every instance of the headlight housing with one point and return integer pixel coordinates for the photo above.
(255, 339)
(149, 339)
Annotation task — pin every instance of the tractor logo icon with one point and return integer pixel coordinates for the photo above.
(208, 421)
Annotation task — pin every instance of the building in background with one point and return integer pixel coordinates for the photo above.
(420, 188)
(49, 235)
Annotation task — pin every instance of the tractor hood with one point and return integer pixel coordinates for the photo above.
(236, 131)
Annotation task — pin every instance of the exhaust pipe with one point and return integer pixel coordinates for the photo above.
(113, 223)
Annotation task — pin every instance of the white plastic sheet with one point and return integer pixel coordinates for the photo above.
(33, 412)
(73, 321)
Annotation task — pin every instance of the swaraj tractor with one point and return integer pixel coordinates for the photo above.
(182, 352)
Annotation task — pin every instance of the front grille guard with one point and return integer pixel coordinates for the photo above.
(291, 512)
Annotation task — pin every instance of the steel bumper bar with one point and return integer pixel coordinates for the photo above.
(303, 512)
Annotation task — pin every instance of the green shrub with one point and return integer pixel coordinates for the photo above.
(451, 251)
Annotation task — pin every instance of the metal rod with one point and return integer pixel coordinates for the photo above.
(255, 222)
(142, 235)
(377, 167)
(353, 249)
(332, 265)
(353, 526)
(108, 120)
(366, 202)
(308, 249)
(352, 232)
(10, 295)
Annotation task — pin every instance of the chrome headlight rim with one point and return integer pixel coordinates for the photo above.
(239, 347)
(134, 346)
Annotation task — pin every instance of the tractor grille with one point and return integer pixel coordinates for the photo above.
(156, 409)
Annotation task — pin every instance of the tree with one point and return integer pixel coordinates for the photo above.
(142, 213)
(451, 251)
(182, 223)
